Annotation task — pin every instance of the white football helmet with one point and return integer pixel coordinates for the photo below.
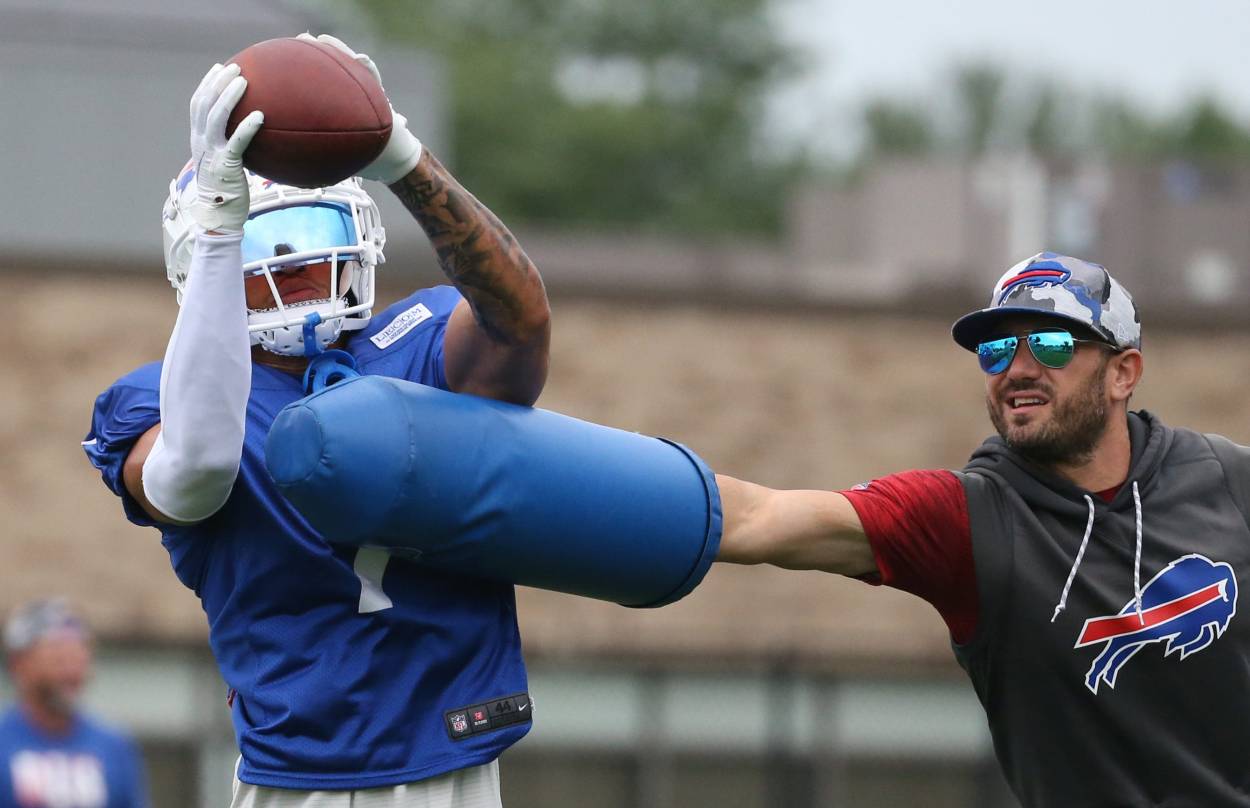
(290, 227)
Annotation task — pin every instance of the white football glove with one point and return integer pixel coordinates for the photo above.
(403, 150)
(221, 205)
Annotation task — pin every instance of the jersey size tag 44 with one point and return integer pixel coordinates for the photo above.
(491, 715)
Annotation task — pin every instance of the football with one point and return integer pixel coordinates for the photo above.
(326, 116)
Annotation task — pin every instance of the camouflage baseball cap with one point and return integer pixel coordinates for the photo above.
(1068, 289)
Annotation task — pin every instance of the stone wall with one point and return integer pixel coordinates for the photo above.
(821, 399)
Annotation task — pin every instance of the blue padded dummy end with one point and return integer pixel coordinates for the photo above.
(497, 491)
(711, 541)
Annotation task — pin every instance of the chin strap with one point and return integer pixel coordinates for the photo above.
(324, 367)
(311, 346)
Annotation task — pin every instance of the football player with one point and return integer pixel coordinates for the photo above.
(347, 670)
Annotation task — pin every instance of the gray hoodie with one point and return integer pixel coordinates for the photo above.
(1108, 655)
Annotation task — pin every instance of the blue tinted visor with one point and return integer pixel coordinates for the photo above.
(321, 226)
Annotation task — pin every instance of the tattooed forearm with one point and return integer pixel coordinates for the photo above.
(477, 253)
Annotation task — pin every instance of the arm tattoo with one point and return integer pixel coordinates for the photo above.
(476, 252)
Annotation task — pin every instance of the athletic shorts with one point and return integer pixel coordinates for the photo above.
(475, 787)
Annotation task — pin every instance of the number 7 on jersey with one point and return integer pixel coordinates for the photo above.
(370, 567)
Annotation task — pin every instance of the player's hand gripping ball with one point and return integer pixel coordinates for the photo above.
(221, 199)
(326, 115)
(403, 150)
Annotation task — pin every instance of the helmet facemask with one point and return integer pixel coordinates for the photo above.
(287, 229)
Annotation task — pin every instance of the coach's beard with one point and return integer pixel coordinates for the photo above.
(1068, 438)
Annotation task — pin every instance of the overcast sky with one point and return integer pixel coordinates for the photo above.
(1158, 53)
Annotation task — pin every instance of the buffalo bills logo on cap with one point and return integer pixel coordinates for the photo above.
(1046, 270)
(1067, 289)
(1189, 604)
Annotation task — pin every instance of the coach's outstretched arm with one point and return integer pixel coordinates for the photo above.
(798, 530)
(498, 339)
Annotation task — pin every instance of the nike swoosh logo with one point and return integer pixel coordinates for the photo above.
(523, 709)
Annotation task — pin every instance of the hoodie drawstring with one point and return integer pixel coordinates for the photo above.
(1089, 528)
(1137, 554)
(1076, 564)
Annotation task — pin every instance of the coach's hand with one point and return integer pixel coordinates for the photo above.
(403, 150)
(222, 202)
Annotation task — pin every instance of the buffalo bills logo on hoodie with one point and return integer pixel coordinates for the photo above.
(1188, 604)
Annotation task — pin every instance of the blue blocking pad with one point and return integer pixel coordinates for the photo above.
(498, 491)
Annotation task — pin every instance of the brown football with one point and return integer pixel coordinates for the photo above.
(326, 116)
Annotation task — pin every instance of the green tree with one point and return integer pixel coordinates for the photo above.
(1043, 133)
(1124, 131)
(979, 89)
(1207, 132)
(1051, 120)
(596, 112)
(897, 129)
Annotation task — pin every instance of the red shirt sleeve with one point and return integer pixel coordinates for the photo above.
(917, 526)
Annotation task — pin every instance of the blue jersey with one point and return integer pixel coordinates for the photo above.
(93, 766)
(347, 667)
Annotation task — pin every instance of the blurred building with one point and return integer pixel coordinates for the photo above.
(934, 231)
(764, 687)
(94, 100)
(932, 235)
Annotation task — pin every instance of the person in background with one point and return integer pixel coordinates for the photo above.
(52, 754)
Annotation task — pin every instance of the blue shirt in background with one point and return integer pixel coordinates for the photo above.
(92, 766)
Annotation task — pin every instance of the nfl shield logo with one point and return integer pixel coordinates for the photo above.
(459, 722)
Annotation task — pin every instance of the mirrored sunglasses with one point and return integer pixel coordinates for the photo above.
(1053, 348)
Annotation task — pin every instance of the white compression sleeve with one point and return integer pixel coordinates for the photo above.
(205, 382)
